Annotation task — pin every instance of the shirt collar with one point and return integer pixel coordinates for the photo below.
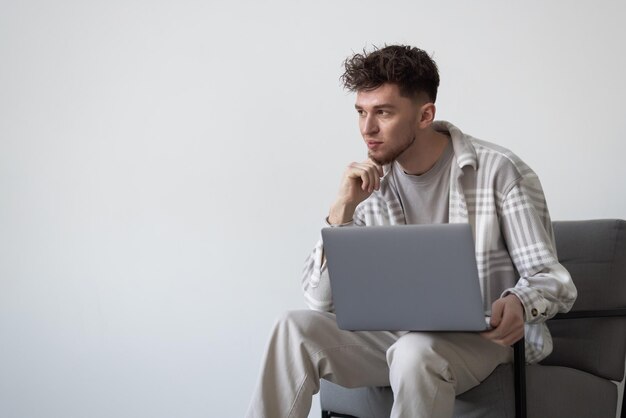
(463, 149)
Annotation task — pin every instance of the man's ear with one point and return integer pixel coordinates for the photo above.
(427, 115)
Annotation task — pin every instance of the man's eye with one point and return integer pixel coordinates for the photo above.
(383, 112)
(360, 112)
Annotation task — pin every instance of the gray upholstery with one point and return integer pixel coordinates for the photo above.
(594, 345)
(554, 391)
(594, 252)
(574, 381)
(495, 396)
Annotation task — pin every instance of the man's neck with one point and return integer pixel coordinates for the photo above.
(424, 153)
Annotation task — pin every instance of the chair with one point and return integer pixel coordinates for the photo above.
(578, 378)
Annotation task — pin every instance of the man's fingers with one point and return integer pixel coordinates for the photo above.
(506, 329)
(506, 339)
(378, 167)
(511, 338)
(365, 180)
(358, 182)
(369, 174)
(514, 329)
(376, 172)
(379, 174)
(371, 179)
(507, 322)
(356, 171)
(497, 310)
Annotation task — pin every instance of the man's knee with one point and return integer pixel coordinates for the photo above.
(417, 351)
(300, 324)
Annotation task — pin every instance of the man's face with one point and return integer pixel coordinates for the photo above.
(388, 122)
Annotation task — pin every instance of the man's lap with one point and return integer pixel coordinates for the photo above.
(362, 358)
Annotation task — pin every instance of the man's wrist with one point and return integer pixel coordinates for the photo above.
(341, 213)
(515, 297)
(329, 224)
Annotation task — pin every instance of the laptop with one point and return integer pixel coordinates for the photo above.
(405, 278)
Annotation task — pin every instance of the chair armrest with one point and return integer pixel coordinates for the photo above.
(592, 314)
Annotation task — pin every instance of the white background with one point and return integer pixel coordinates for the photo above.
(165, 167)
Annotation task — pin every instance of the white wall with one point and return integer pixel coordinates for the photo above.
(165, 166)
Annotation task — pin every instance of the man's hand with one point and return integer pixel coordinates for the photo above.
(507, 320)
(358, 183)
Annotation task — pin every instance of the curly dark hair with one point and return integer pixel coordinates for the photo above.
(410, 68)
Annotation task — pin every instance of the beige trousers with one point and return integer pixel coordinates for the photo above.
(425, 370)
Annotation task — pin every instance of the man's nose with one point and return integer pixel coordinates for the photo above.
(369, 125)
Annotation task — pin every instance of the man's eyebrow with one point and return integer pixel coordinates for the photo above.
(379, 106)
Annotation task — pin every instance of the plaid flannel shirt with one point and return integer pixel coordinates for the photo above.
(502, 199)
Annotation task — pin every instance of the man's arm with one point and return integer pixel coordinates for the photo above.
(545, 287)
(358, 183)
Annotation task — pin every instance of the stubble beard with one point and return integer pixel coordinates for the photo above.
(392, 154)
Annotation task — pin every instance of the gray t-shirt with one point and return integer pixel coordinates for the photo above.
(425, 198)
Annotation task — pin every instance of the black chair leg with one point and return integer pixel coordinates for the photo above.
(519, 372)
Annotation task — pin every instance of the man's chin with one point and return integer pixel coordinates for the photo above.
(381, 159)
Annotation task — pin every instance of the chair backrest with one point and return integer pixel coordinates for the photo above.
(594, 252)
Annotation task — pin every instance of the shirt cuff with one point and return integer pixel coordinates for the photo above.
(535, 306)
(329, 225)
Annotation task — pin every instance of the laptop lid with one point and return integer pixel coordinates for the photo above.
(404, 278)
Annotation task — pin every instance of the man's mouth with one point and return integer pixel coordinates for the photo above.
(373, 144)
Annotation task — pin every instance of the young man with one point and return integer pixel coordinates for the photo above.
(421, 171)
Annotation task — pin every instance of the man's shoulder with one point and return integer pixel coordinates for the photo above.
(499, 160)
(498, 168)
(483, 155)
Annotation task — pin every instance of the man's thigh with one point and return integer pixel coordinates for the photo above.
(348, 358)
(465, 358)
